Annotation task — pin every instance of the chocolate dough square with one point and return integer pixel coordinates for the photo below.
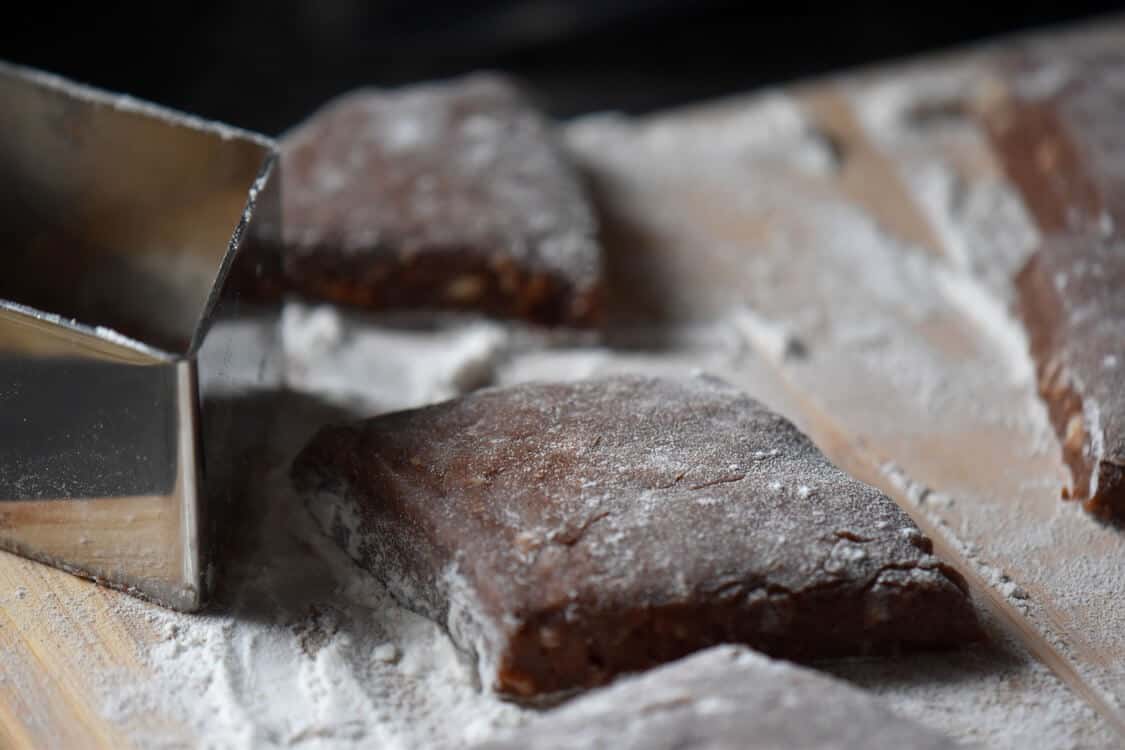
(449, 195)
(565, 533)
(1064, 148)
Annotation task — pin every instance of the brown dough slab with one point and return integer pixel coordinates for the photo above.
(1072, 298)
(1065, 150)
(450, 195)
(565, 533)
(724, 698)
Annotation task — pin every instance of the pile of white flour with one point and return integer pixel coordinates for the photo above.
(303, 648)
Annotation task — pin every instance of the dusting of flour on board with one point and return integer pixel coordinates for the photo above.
(304, 649)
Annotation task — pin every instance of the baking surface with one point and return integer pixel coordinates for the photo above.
(841, 250)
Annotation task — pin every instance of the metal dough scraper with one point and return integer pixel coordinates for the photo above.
(131, 238)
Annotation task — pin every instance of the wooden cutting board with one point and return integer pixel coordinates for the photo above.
(859, 237)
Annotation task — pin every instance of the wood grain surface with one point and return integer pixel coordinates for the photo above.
(864, 236)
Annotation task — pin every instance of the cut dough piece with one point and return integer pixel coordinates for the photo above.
(725, 698)
(450, 195)
(1072, 298)
(565, 533)
(1065, 152)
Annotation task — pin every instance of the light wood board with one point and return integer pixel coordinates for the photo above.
(858, 234)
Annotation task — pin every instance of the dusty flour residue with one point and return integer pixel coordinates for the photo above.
(997, 697)
(370, 368)
(929, 501)
(302, 649)
(769, 127)
(925, 123)
(977, 303)
(773, 339)
(917, 357)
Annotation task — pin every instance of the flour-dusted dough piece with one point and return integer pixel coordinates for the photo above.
(565, 533)
(724, 698)
(1072, 298)
(1065, 150)
(449, 195)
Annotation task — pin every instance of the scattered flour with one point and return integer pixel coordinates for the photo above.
(765, 127)
(997, 697)
(338, 356)
(775, 340)
(929, 500)
(301, 649)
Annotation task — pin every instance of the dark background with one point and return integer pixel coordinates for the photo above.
(265, 64)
